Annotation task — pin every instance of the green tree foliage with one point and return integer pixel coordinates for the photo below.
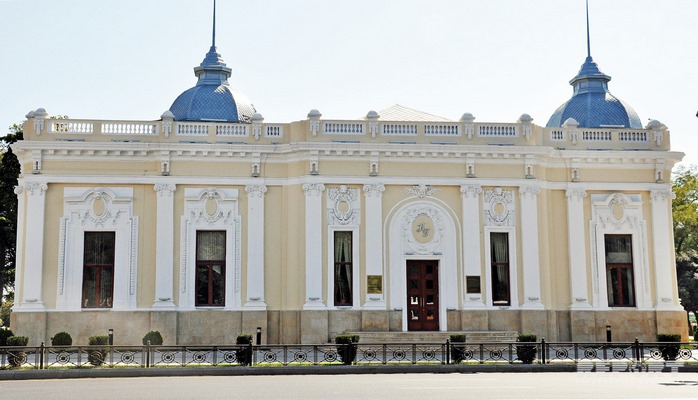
(685, 214)
(9, 172)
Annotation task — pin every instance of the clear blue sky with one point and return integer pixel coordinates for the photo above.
(497, 59)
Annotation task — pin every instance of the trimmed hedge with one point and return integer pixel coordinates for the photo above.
(61, 339)
(154, 337)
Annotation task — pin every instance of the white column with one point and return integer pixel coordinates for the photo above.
(472, 242)
(576, 243)
(664, 270)
(530, 247)
(164, 245)
(34, 247)
(374, 242)
(313, 247)
(255, 247)
(19, 246)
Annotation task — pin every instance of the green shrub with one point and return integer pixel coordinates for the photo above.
(669, 352)
(98, 340)
(695, 334)
(457, 337)
(346, 339)
(4, 334)
(346, 347)
(17, 341)
(17, 357)
(526, 353)
(243, 338)
(61, 339)
(154, 337)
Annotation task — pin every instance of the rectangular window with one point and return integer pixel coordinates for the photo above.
(210, 268)
(499, 256)
(98, 270)
(343, 268)
(619, 270)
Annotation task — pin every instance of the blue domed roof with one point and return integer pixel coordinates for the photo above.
(212, 99)
(592, 105)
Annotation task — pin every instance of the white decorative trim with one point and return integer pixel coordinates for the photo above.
(528, 192)
(255, 191)
(114, 213)
(343, 206)
(499, 208)
(374, 190)
(421, 191)
(210, 209)
(662, 195)
(165, 189)
(409, 236)
(470, 191)
(313, 189)
(35, 188)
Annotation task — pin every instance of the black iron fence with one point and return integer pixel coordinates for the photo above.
(46, 357)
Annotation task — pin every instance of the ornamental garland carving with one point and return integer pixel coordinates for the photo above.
(470, 191)
(421, 190)
(211, 210)
(165, 189)
(313, 189)
(99, 209)
(36, 188)
(343, 206)
(499, 207)
(528, 192)
(422, 230)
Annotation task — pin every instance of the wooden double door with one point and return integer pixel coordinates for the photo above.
(422, 295)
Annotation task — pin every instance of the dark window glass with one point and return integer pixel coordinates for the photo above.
(619, 270)
(98, 270)
(343, 268)
(499, 255)
(210, 268)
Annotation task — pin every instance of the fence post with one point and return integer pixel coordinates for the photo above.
(636, 350)
(448, 351)
(147, 354)
(543, 351)
(253, 356)
(41, 356)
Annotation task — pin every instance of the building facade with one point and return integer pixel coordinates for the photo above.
(210, 222)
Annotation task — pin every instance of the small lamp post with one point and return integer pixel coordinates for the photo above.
(609, 336)
(111, 337)
(259, 335)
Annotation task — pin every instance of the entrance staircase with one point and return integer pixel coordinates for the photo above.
(434, 337)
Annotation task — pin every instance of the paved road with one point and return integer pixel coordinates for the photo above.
(368, 387)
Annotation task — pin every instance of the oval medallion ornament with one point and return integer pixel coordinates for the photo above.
(423, 228)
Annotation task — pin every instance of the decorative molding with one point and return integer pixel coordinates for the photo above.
(35, 188)
(19, 190)
(423, 229)
(165, 189)
(575, 194)
(421, 191)
(468, 191)
(528, 192)
(61, 255)
(255, 191)
(374, 190)
(499, 207)
(343, 206)
(314, 127)
(313, 189)
(662, 195)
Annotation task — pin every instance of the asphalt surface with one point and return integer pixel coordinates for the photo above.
(586, 385)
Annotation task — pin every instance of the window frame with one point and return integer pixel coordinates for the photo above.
(512, 270)
(355, 268)
(210, 265)
(98, 268)
(619, 267)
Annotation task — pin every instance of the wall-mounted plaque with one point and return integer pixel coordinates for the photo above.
(472, 284)
(375, 284)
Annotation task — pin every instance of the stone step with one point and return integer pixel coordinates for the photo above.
(435, 337)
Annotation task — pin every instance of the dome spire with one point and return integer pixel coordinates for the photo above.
(213, 40)
(588, 40)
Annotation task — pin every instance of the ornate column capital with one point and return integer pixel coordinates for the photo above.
(35, 188)
(164, 189)
(374, 190)
(659, 195)
(313, 189)
(421, 190)
(19, 190)
(528, 192)
(256, 191)
(575, 194)
(468, 191)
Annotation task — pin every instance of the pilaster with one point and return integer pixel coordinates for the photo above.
(530, 247)
(577, 249)
(164, 245)
(32, 298)
(472, 242)
(313, 251)
(255, 247)
(664, 270)
(374, 244)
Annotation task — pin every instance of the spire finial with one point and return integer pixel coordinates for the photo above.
(588, 40)
(213, 43)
